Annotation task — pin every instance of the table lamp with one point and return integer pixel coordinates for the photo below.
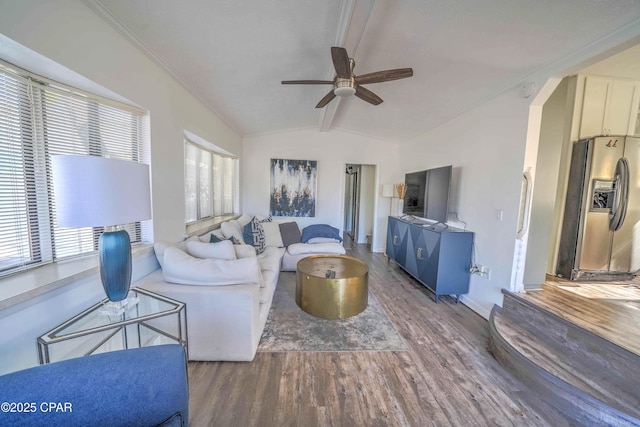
(93, 191)
(388, 191)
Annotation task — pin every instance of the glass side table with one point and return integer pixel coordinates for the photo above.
(145, 319)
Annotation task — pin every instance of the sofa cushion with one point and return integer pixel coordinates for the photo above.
(273, 252)
(315, 248)
(323, 240)
(272, 236)
(243, 251)
(266, 291)
(270, 260)
(220, 250)
(232, 228)
(244, 219)
(182, 268)
(160, 247)
(320, 230)
(254, 235)
(290, 233)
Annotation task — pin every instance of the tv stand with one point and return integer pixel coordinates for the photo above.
(439, 258)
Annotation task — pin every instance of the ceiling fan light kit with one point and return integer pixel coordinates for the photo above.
(346, 83)
(344, 87)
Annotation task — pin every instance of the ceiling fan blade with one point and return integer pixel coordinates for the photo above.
(367, 95)
(341, 62)
(327, 98)
(384, 76)
(307, 82)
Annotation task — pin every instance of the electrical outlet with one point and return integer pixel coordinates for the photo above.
(480, 270)
(484, 272)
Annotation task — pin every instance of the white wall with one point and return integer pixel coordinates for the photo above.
(69, 33)
(556, 119)
(333, 150)
(367, 202)
(485, 146)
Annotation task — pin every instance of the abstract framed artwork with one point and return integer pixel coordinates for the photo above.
(293, 188)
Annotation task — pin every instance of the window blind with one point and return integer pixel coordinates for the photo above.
(209, 183)
(37, 120)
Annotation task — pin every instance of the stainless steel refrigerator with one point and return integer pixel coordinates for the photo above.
(600, 237)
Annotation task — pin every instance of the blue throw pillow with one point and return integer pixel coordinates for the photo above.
(247, 233)
(215, 239)
(320, 230)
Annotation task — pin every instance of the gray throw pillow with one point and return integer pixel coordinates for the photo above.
(290, 233)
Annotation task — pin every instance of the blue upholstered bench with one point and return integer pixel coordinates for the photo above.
(137, 387)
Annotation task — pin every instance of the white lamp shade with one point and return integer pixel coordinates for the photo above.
(387, 190)
(92, 191)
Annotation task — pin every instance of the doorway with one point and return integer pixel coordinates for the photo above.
(560, 126)
(359, 202)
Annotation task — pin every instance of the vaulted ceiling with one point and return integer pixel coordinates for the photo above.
(233, 54)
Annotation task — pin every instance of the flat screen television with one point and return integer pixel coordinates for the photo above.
(427, 193)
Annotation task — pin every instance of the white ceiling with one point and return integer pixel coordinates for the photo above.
(233, 54)
(625, 64)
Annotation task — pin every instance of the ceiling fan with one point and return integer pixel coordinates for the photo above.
(346, 83)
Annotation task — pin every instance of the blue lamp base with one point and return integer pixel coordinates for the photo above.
(114, 252)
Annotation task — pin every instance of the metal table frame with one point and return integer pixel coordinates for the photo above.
(179, 309)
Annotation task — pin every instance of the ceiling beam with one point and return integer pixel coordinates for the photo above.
(352, 23)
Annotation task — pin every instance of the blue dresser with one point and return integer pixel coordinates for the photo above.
(437, 256)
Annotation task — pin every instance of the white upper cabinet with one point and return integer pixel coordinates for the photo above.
(609, 107)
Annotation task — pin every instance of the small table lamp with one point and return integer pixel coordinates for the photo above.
(388, 191)
(93, 191)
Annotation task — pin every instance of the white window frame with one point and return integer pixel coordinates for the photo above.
(50, 133)
(222, 184)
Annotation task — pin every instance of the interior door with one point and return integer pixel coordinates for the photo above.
(351, 200)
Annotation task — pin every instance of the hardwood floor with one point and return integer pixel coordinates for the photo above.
(610, 310)
(446, 378)
(586, 336)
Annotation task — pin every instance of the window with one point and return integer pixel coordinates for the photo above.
(210, 179)
(39, 118)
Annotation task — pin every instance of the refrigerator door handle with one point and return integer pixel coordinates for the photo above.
(619, 210)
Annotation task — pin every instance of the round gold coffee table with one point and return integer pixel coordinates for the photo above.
(332, 286)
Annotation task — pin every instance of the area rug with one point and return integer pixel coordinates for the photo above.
(289, 328)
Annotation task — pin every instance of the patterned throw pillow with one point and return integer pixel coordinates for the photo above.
(254, 235)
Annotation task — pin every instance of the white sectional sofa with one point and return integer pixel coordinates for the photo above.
(228, 288)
